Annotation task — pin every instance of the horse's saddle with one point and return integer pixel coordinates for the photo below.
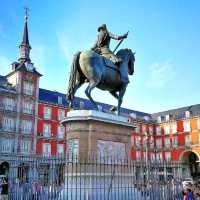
(110, 64)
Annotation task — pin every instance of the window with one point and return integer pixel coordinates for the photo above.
(73, 149)
(9, 103)
(153, 156)
(159, 143)
(137, 129)
(8, 124)
(28, 107)
(46, 149)
(167, 156)
(188, 140)
(174, 127)
(60, 149)
(158, 130)
(47, 113)
(151, 130)
(82, 105)
(60, 100)
(138, 155)
(166, 128)
(143, 129)
(7, 145)
(151, 142)
(47, 130)
(25, 146)
(28, 88)
(198, 123)
(137, 141)
(167, 142)
(187, 114)
(159, 156)
(26, 126)
(61, 131)
(61, 114)
(174, 142)
(167, 117)
(186, 125)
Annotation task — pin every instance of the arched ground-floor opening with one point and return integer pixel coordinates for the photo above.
(4, 168)
(193, 160)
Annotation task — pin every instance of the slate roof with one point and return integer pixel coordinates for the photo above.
(52, 98)
(179, 112)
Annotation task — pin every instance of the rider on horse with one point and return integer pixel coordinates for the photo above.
(102, 44)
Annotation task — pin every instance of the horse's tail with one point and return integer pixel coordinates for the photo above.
(72, 78)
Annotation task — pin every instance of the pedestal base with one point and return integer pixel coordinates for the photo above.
(94, 129)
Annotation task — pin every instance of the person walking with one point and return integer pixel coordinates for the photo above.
(189, 194)
(4, 189)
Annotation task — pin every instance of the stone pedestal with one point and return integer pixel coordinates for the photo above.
(89, 127)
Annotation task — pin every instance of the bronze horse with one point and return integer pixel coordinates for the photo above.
(100, 72)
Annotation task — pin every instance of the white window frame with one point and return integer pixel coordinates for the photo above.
(198, 123)
(167, 129)
(60, 149)
(150, 130)
(186, 125)
(61, 132)
(159, 156)
(137, 141)
(168, 156)
(8, 124)
(25, 146)
(167, 142)
(159, 142)
(188, 140)
(26, 126)
(174, 127)
(47, 112)
(138, 155)
(46, 146)
(6, 145)
(174, 144)
(9, 103)
(28, 88)
(27, 107)
(46, 130)
(61, 114)
(158, 130)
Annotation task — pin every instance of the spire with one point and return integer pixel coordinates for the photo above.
(25, 46)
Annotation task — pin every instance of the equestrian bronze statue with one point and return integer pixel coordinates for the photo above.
(101, 68)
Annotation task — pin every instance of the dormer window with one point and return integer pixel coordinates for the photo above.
(82, 104)
(133, 115)
(187, 114)
(59, 100)
(147, 118)
(159, 119)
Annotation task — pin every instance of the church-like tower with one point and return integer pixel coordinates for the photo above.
(25, 78)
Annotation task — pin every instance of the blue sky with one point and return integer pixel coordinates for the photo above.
(164, 34)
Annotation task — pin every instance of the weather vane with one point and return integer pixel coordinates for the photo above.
(26, 12)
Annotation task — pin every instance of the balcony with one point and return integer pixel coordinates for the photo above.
(6, 148)
(12, 108)
(8, 129)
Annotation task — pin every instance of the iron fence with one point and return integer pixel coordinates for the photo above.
(92, 178)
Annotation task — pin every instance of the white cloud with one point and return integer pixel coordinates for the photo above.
(5, 65)
(160, 74)
(65, 45)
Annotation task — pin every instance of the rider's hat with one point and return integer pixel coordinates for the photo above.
(103, 26)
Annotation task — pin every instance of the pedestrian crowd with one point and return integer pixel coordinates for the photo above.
(191, 191)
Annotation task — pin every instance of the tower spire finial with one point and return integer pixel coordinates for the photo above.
(25, 46)
(26, 13)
